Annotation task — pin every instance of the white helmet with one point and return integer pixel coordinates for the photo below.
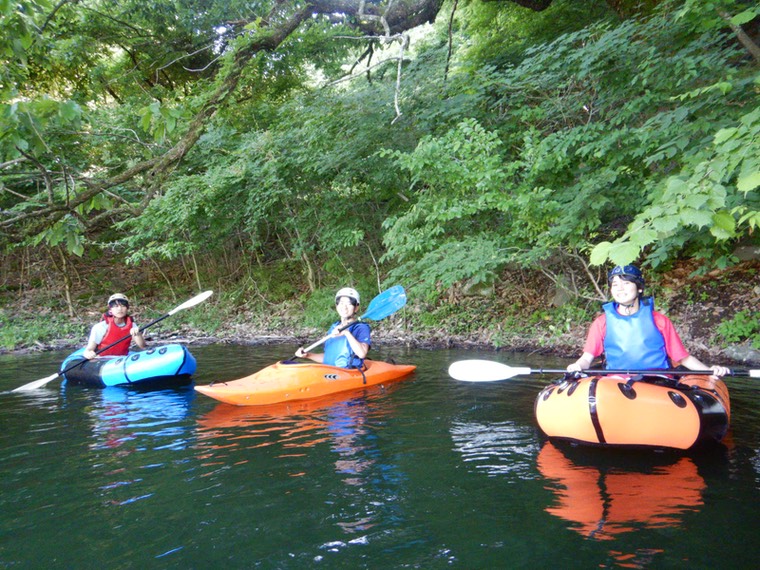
(348, 292)
(118, 297)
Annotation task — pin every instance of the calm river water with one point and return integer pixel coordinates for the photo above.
(426, 473)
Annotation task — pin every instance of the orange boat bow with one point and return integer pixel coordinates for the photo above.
(610, 410)
(283, 382)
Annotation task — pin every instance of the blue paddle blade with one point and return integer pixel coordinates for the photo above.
(385, 304)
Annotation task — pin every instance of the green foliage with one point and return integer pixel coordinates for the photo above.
(541, 138)
(30, 330)
(161, 120)
(717, 192)
(459, 178)
(581, 144)
(318, 309)
(458, 319)
(68, 231)
(276, 282)
(707, 16)
(19, 26)
(500, 32)
(745, 325)
(23, 122)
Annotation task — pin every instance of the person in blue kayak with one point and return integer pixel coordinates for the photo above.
(346, 347)
(632, 335)
(115, 325)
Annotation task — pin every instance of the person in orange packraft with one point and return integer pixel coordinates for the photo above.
(632, 335)
(115, 325)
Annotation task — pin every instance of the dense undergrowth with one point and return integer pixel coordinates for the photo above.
(714, 314)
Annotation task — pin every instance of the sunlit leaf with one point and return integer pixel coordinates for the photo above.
(749, 182)
(599, 253)
(624, 253)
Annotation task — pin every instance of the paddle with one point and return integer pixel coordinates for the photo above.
(488, 371)
(42, 381)
(384, 305)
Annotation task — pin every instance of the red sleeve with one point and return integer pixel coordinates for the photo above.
(673, 345)
(595, 339)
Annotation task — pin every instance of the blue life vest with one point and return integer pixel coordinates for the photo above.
(337, 350)
(634, 341)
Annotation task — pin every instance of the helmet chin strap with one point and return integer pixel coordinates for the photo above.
(629, 306)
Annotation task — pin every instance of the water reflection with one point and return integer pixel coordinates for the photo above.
(602, 501)
(118, 416)
(132, 436)
(296, 424)
(496, 448)
(297, 434)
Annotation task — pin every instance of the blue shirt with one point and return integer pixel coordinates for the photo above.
(338, 351)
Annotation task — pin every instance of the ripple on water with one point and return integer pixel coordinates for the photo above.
(497, 448)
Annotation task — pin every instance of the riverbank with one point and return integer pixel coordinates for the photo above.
(394, 332)
(715, 314)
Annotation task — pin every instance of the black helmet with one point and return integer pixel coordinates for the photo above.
(627, 272)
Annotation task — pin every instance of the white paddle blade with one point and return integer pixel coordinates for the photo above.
(754, 373)
(36, 384)
(192, 302)
(483, 371)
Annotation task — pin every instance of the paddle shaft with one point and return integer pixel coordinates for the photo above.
(325, 338)
(150, 324)
(640, 372)
(489, 371)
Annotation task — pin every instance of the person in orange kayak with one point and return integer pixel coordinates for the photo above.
(115, 325)
(632, 335)
(345, 348)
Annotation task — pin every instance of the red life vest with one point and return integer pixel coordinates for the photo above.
(115, 333)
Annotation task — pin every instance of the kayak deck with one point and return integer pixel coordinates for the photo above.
(288, 381)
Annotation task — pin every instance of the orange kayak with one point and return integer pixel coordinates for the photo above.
(612, 411)
(286, 381)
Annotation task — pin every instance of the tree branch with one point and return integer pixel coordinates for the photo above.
(281, 22)
(742, 36)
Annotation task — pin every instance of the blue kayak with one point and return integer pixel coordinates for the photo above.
(171, 364)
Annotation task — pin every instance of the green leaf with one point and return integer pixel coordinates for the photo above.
(666, 224)
(699, 218)
(70, 111)
(743, 17)
(146, 119)
(160, 133)
(724, 221)
(724, 226)
(677, 186)
(749, 182)
(724, 134)
(624, 253)
(600, 253)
